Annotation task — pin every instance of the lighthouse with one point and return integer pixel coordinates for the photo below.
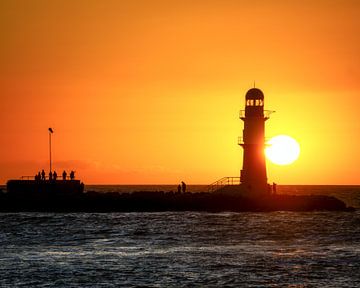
(253, 177)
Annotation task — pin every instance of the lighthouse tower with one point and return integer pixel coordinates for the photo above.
(253, 174)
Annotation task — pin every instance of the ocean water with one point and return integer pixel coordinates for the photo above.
(184, 249)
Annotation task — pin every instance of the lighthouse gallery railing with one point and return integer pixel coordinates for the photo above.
(267, 114)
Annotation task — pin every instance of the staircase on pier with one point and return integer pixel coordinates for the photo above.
(224, 182)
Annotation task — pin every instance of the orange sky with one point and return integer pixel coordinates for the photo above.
(149, 91)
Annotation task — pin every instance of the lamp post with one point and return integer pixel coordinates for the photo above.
(50, 132)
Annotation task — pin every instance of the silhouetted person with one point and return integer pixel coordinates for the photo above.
(54, 175)
(274, 187)
(64, 175)
(50, 176)
(183, 186)
(269, 189)
(72, 175)
(42, 174)
(179, 188)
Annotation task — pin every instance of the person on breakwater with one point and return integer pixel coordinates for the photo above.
(274, 188)
(50, 176)
(72, 175)
(183, 186)
(54, 175)
(179, 188)
(64, 175)
(38, 176)
(42, 174)
(269, 189)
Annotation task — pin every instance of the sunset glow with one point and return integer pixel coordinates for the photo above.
(149, 91)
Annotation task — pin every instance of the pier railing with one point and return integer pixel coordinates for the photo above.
(242, 142)
(46, 178)
(226, 181)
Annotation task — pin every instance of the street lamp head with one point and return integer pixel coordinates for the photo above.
(51, 130)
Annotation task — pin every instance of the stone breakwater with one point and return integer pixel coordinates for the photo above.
(165, 201)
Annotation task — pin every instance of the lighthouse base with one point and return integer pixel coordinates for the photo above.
(244, 190)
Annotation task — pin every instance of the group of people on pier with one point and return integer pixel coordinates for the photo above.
(53, 175)
(272, 188)
(181, 187)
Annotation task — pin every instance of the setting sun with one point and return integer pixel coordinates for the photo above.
(282, 150)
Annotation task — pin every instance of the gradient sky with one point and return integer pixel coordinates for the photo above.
(149, 91)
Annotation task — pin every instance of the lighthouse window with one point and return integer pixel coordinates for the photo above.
(250, 103)
(256, 102)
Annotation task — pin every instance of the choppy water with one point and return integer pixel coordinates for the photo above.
(183, 249)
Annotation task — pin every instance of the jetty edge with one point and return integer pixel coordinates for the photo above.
(69, 196)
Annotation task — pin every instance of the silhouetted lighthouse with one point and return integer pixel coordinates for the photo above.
(253, 174)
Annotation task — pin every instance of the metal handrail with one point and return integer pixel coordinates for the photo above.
(267, 114)
(225, 181)
(242, 114)
(242, 142)
(46, 178)
(26, 177)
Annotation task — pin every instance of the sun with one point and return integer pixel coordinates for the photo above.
(282, 150)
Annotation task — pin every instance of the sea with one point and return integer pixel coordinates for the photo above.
(184, 249)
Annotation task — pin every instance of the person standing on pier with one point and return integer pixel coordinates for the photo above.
(54, 175)
(64, 175)
(274, 187)
(42, 174)
(183, 186)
